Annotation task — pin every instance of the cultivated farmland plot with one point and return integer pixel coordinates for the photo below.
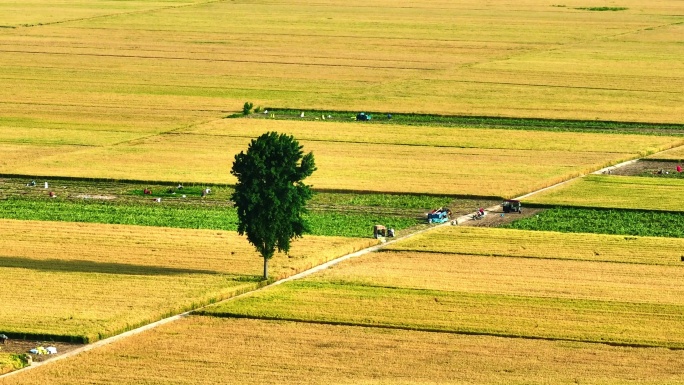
(164, 65)
(498, 282)
(87, 281)
(358, 157)
(675, 155)
(623, 192)
(297, 353)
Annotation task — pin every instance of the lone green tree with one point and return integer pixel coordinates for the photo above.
(270, 195)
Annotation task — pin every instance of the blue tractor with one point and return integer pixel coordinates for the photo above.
(440, 215)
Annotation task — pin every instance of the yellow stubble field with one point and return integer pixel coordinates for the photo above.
(87, 281)
(205, 350)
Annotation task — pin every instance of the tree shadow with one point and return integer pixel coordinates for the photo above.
(80, 266)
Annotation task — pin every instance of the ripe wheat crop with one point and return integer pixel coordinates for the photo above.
(675, 154)
(468, 162)
(205, 350)
(622, 192)
(547, 245)
(437, 57)
(87, 281)
(508, 315)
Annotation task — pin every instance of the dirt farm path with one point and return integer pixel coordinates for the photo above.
(493, 216)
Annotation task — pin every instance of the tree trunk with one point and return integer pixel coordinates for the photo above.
(265, 268)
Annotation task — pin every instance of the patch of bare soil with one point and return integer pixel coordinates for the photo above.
(498, 218)
(23, 346)
(642, 167)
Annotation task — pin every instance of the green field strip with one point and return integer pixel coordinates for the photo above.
(326, 223)
(605, 221)
(627, 324)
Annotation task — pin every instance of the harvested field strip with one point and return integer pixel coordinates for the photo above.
(605, 221)
(440, 136)
(322, 223)
(595, 281)
(621, 192)
(89, 281)
(241, 348)
(620, 323)
(344, 166)
(547, 245)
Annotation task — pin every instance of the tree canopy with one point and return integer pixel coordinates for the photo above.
(270, 195)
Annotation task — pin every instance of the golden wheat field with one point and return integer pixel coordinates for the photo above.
(205, 350)
(547, 245)
(621, 192)
(349, 156)
(600, 281)
(675, 154)
(164, 65)
(91, 280)
(580, 287)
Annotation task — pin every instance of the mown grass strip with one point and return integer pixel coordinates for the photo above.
(628, 324)
(604, 221)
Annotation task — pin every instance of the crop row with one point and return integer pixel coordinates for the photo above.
(605, 221)
(621, 192)
(85, 281)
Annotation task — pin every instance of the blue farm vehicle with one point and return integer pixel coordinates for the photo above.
(440, 215)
